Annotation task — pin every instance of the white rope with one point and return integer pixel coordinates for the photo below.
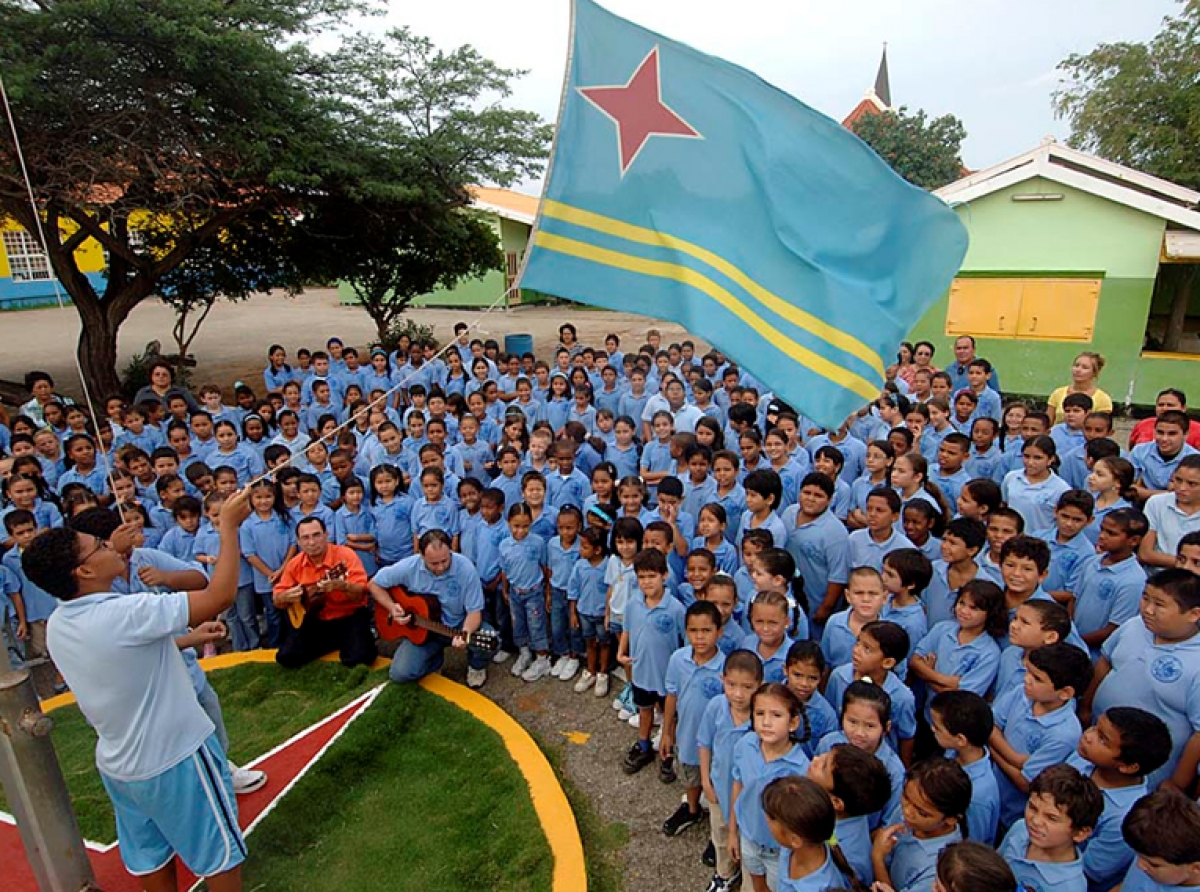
(58, 295)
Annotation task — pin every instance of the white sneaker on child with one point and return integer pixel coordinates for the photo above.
(476, 678)
(568, 666)
(501, 656)
(625, 715)
(586, 680)
(524, 660)
(602, 684)
(247, 780)
(539, 669)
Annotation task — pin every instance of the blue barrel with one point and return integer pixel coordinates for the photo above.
(518, 344)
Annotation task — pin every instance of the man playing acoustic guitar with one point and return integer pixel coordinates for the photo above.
(328, 581)
(451, 578)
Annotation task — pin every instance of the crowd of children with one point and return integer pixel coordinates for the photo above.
(948, 644)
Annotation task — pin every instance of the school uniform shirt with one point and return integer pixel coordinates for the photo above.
(1153, 468)
(1040, 876)
(732, 636)
(457, 589)
(772, 524)
(95, 479)
(268, 539)
(854, 453)
(480, 542)
(912, 620)
(244, 460)
(904, 705)
(753, 772)
(179, 543)
(1163, 679)
(570, 489)
(322, 511)
(718, 734)
(1066, 439)
(821, 549)
(1169, 523)
(356, 523)
(546, 524)
(655, 632)
(274, 379)
(585, 586)
(294, 446)
(950, 484)
(39, 603)
(854, 839)
(1092, 530)
(1072, 467)
(864, 551)
(983, 814)
(393, 528)
(522, 563)
(975, 663)
(725, 554)
(837, 640)
(1047, 740)
(827, 876)
(148, 440)
(1106, 855)
(1035, 502)
(1137, 881)
(117, 652)
(697, 495)
(891, 813)
(774, 666)
(989, 465)
(734, 503)
(439, 515)
(913, 863)
(561, 561)
(1106, 594)
(633, 406)
(1064, 557)
(693, 685)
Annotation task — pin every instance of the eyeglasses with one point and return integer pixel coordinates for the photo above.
(101, 545)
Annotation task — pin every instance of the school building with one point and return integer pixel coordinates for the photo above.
(1068, 253)
(25, 279)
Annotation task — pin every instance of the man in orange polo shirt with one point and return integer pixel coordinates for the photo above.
(343, 621)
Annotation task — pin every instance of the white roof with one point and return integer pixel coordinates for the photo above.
(1084, 172)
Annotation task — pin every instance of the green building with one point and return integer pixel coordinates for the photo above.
(1068, 253)
(511, 215)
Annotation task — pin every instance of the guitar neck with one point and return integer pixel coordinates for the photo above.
(434, 626)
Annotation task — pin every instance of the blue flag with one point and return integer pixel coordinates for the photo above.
(687, 188)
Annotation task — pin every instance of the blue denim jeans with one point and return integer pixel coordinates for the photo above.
(563, 639)
(274, 618)
(529, 619)
(242, 619)
(412, 662)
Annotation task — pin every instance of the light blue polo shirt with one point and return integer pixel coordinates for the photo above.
(523, 562)
(837, 640)
(1163, 679)
(854, 839)
(719, 735)
(773, 525)
(1040, 876)
(1106, 594)
(904, 705)
(822, 719)
(1035, 502)
(827, 876)
(950, 484)
(697, 495)
(774, 666)
(1064, 557)
(266, 539)
(912, 620)
(439, 515)
(975, 663)
(866, 552)
(1011, 673)
(457, 589)
(1092, 530)
(821, 549)
(1047, 740)
(393, 526)
(654, 634)
(694, 686)
(983, 814)
(117, 652)
(571, 489)
(988, 465)
(1169, 523)
(938, 597)
(913, 866)
(1154, 470)
(1137, 881)
(1106, 855)
(586, 588)
(753, 772)
(39, 603)
(561, 561)
(891, 813)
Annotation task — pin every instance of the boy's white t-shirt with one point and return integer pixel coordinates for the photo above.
(620, 579)
(118, 654)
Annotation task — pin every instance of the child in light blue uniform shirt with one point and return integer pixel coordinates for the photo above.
(1058, 865)
(1108, 586)
(866, 596)
(562, 554)
(803, 820)
(911, 864)
(881, 646)
(392, 508)
(434, 510)
(523, 563)
(962, 725)
(818, 541)
(1167, 861)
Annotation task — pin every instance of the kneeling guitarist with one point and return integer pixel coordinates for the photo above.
(451, 578)
(323, 591)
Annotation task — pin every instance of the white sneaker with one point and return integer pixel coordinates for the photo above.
(501, 656)
(625, 715)
(620, 673)
(539, 669)
(569, 667)
(586, 680)
(476, 678)
(602, 684)
(617, 704)
(634, 720)
(523, 662)
(247, 780)
(556, 664)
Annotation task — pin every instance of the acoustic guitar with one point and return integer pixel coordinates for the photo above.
(313, 598)
(424, 612)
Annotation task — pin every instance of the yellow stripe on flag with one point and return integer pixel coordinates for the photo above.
(687, 276)
(619, 228)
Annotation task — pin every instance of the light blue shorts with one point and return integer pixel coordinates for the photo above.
(188, 810)
(761, 861)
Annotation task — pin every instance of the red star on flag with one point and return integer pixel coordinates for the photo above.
(638, 110)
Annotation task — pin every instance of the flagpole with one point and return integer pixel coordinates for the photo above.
(562, 105)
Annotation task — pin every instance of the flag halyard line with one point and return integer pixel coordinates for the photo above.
(835, 337)
(795, 351)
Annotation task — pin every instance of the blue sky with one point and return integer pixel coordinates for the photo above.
(990, 63)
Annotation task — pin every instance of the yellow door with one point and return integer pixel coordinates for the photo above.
(986, 308)
(1058, 309)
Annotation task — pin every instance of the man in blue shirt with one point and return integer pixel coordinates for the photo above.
(157, 751)
(452, 579)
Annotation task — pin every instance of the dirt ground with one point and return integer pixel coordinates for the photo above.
(232, 344)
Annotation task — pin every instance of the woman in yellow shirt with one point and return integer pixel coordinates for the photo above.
(1085, 372)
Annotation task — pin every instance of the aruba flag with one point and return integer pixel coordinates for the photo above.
(687, 188)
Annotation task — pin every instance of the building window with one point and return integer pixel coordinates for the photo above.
(1024, 309)
(26, 262)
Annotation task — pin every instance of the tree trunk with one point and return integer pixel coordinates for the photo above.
(1185, 284)
(98, 351)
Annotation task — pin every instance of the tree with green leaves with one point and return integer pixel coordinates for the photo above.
(927, 153)
(215, 128)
